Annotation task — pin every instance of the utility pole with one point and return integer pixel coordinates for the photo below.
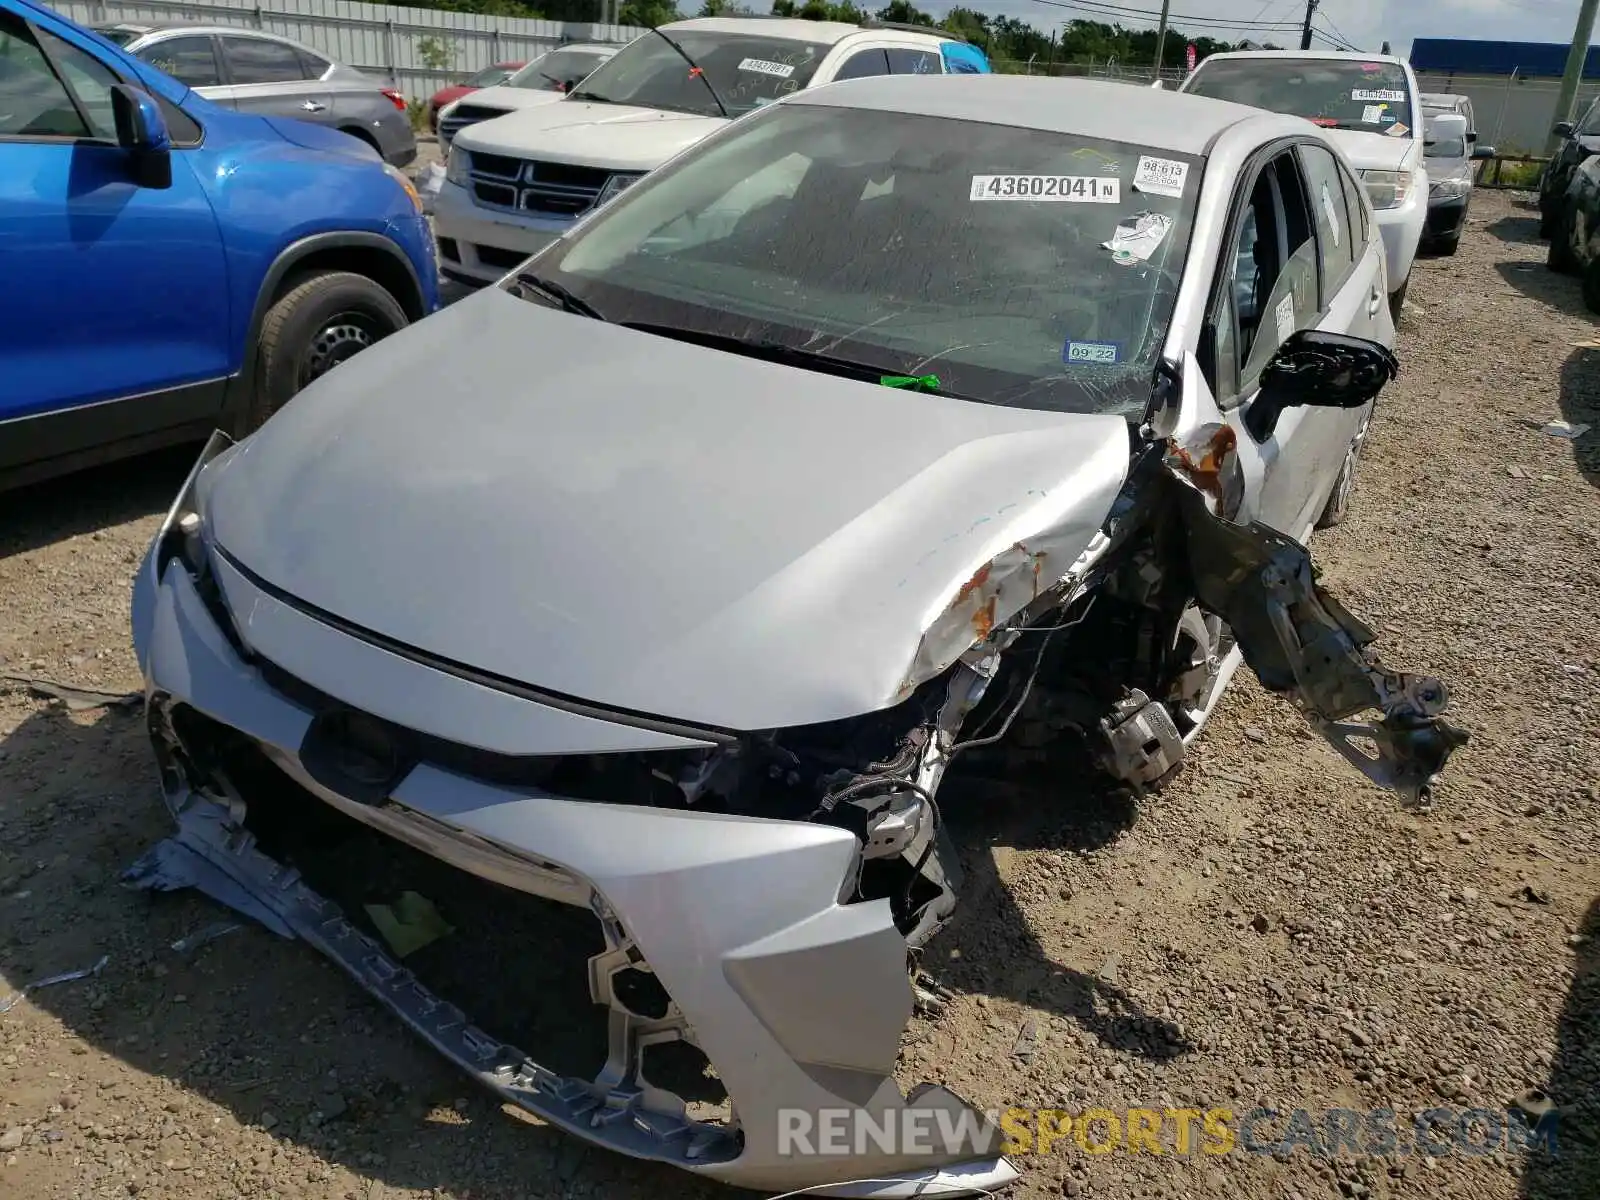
(1305, 33)
(1567, 97)
(1161, 36)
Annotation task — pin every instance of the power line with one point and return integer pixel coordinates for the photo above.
(1337, 31)
(1338, 43)
(1117, 12)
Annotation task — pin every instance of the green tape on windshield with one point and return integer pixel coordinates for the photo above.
(914, 383)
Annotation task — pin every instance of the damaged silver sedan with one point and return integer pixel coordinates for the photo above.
(662, 583)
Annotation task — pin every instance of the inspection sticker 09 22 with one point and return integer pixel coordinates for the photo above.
(1103, 354)
(762, 67)
(1072, 189)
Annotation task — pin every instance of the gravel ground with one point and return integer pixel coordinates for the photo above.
(1268, 931)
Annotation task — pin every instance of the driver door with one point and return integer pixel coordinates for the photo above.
(1272, 287)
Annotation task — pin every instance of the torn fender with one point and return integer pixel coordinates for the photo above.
(1303, 644)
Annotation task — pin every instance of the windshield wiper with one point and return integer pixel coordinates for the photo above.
(694, 69)
(592, 97)
(795, 356)
(560, 294)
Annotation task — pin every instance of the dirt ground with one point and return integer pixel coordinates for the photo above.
(1268, 931)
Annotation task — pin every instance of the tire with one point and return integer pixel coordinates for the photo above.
(1559, 257)
(1547, 226)
(1338, 505)
(1397, 300)
(1447, 246)
(322, 320)
(1591, 286)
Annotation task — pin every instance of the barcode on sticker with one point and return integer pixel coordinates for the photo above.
(762, 67)
(1377, 95)
(1160, 176)
(1103, 353)
(1078, 189)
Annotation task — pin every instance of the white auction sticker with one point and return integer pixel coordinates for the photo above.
(762, 67)
(1073, 189)
(1372, 114)
(1377, 95)
(1284, 316)
(1160, 176)
(1333, 220)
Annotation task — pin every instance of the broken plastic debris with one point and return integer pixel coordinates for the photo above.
(409, 924)
(76, 699)
(10, 1002)
(209, 933)
(1563, 429)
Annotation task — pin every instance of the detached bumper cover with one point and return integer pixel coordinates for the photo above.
(797, 1001)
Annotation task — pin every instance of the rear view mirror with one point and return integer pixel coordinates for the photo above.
(1320, 369)
(142, 131)
(1483, 152)
(1563, 129)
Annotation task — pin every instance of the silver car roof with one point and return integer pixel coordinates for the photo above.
(1086, 107)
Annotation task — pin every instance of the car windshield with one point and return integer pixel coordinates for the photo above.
(112, 34)
(1338, 93)
(556, 71)
(488, 77)
(1020, 267)
(746, 70)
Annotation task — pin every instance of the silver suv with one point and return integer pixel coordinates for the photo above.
(275, 77)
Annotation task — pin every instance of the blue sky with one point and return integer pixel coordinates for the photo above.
(1365, 23)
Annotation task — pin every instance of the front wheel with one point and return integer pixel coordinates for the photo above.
(1397, 300)
(319, 323)
(1591, 286)
(1560, 258)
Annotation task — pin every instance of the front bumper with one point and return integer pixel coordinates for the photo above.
(1446, 218)
(1402, 233)
(480, 244)
(797, 1001)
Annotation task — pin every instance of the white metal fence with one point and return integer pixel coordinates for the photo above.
(381, 38)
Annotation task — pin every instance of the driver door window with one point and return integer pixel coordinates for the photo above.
(1271, 286)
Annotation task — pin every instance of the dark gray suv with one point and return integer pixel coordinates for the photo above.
(263, 73)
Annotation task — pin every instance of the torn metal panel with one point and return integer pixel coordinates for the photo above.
(1302, 643)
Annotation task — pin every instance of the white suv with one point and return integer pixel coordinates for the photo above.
(1371, 108)
(515, 183)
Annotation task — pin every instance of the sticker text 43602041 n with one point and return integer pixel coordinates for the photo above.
(1071, 189)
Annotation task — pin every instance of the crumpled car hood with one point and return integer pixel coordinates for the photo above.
(511, 99)
(655, 526)
(619, 136)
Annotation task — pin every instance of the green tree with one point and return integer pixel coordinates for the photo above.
(650, 13)
(902, 12)
(724, 8)
(818, 10)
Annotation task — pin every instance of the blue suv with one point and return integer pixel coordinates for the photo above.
(171, 265)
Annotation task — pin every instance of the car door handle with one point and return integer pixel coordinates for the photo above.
(1374, 303)
(313, 106)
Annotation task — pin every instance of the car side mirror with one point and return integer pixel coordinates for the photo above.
(1321, 369)
(142, 132)
(1483, 152)
(1563, 129)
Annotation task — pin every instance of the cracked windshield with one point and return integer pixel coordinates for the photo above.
(705, 73)
(1369, 96)
(999, 264)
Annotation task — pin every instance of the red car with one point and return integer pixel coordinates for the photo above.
(488, 77)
